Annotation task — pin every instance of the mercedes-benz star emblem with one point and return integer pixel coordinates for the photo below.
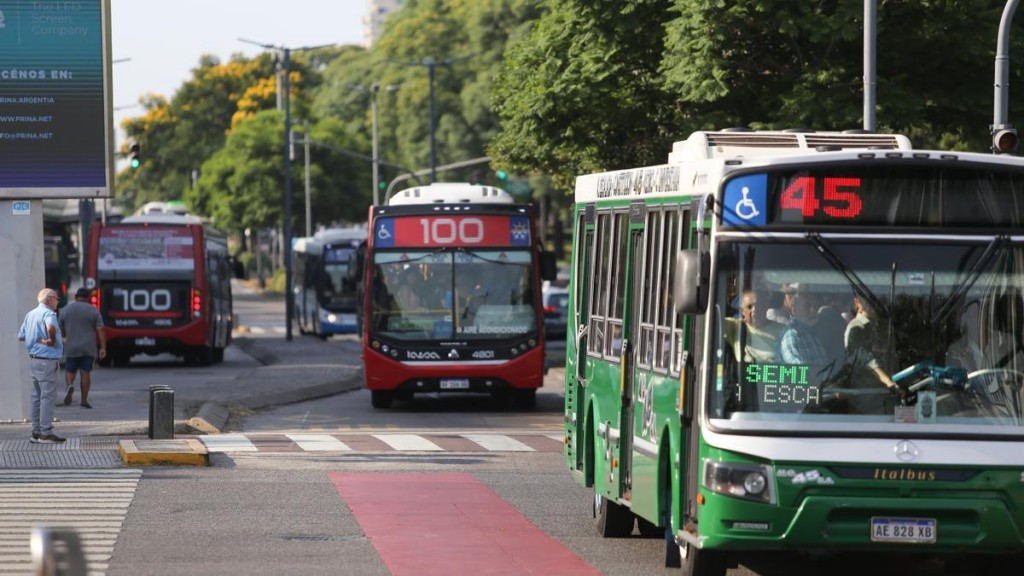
(906, 451)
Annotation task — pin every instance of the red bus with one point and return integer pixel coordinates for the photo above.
(452, 300)
(163, 285)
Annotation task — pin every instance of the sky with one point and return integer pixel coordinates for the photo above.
(163, 41)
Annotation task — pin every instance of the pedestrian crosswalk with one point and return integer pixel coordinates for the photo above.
(92, 502)
(385, 442)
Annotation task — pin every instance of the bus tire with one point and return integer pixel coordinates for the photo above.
(218, 354)
(613, 520)
(381, 399)
(120, 359)
(204, 355)
(697, 562)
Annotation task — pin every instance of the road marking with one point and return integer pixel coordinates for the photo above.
(498, 443)
(92, 502)
(559, 437)
(319, 442)
(228, 443)
(449, 441)
(410, 442)
(450, 524)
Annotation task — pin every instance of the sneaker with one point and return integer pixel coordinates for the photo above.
(50, 439)
(67, 397)
(35, 438)
(86, 405)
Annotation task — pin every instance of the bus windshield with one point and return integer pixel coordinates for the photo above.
(444, 295)
(337, 288)
(839, 333)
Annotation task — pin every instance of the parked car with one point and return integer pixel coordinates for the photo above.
(556, 311)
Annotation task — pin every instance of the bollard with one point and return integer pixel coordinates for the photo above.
(153, 388)
(161, 413)
(57, 552)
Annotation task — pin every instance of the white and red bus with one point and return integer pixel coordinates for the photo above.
(163, 285)
(452, 300)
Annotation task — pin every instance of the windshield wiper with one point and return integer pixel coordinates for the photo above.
(855, 282)
(995, 248)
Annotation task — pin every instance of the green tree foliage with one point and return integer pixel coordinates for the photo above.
(781, 64)
(584, 92)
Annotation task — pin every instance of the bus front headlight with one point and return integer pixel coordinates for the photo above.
(747, 481)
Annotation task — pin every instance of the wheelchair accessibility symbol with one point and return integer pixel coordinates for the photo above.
(383, 233)
(746, 208)
(744, 202)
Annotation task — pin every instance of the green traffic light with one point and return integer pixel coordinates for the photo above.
(136, 162)
(502, 175)
(382, 185)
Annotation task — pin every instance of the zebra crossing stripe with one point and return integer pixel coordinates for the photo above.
(559, 437)
(319, 442)
(91, 502)
(228, 443)
(498, 443)
(410, 442)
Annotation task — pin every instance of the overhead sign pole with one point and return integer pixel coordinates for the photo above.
(56, 141)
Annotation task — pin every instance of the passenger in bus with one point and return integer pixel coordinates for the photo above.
(752, 337)
(861, 340)
(408, 295)
(798, 343)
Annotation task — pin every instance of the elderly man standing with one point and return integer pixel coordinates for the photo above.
(40, 332)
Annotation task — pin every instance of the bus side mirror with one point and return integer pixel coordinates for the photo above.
(548, 266)
(691, 282)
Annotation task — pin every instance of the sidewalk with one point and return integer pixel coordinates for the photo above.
(286, 372)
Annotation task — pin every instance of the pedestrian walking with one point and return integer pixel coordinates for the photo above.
(82, 326)
(40, 332)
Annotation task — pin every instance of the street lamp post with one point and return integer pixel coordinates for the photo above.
(375, 158)
(289, 298)
(431, 64)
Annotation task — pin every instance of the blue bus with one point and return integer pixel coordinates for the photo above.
(325, 281)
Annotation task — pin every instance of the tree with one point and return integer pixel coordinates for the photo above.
(583, 91)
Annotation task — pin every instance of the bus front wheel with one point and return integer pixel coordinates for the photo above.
(381, 398)
(696, 562)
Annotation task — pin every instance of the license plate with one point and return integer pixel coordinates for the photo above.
(455, 384)
(903, 530)
(145, 341)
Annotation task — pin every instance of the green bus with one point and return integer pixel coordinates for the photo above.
(801, 342)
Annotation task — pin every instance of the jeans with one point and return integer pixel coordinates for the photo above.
(44, 394)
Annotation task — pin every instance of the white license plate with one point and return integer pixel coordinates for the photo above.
(455, 384)
(145, 341)
(904, 530)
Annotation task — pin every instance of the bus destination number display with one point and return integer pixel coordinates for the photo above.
(757, 200)
(138, 306)
(431, 231)
(781, 387)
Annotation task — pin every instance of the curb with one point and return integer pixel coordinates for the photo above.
(185, 452)
(212, 417)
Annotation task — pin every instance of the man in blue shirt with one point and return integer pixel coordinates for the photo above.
(41, 334)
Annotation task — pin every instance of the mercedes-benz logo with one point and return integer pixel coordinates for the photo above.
(906, 451)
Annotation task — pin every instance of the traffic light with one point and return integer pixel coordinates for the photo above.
(1004, 140)
(134, 158)
(502, 175)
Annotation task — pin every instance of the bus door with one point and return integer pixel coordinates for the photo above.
(628, 363)
(576, 352)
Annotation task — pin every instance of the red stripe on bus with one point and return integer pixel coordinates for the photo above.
(171, 314)
(425, 524)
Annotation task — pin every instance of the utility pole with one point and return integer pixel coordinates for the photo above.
(1004, 135)
(309, 208)
(374, 89)
(870, 20)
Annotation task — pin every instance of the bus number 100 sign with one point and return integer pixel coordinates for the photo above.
(839, 198)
